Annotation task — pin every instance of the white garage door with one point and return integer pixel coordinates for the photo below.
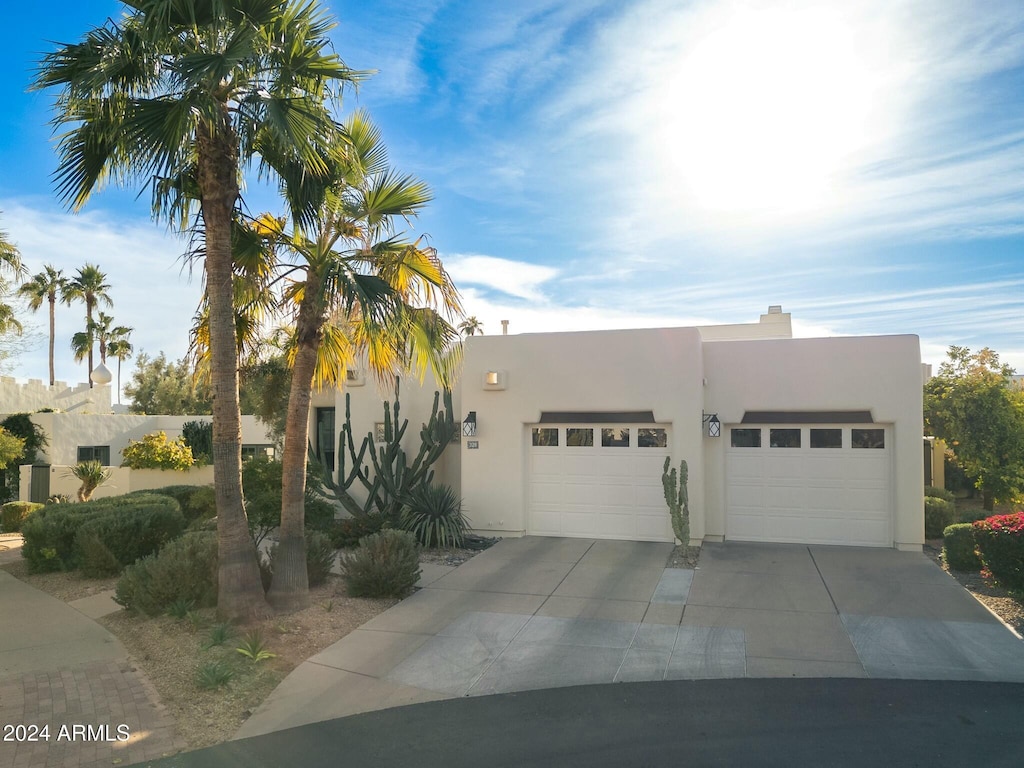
(598, 481)
(821, 484)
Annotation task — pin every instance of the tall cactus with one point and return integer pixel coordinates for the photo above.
(393, 477)
(678, 499)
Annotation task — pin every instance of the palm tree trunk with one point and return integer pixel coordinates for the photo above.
(53, 332)
(239, 591)
(88, 330)
(119, 381)
(289, 589)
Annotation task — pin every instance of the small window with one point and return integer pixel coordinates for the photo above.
(785, 438)
(100, 453)
(579, 437)
(614, 437)
(868, 438)
(651, 438)
(545, 436)
(826, 438)
(252, 451)
(745, 438)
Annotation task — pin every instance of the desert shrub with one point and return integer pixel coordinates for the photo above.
(433, 514)
(51, 533)
(58, 498)
(261, 484)
(938, 493)
(118, 537)
(386, 564)
(92, 475)
(971, 514)
(958, 548)
(320, 554)
(938, 514)
(347, 532)
(185, 569)
(198, 436)
(155, 451)
(197, 501)
(1000, 541)
(13, 514)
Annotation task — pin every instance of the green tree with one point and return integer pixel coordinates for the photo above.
(10, 262)
(471, 326)
(21, 426)
(45, 286)
(184, 95)
(120, 347)
(355, 285)
(972, 405)
(88, 286)
(11, 448)
(158, 386)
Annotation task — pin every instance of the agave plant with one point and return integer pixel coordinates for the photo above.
(433, 514)
(92, 474)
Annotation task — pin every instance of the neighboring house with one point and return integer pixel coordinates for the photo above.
(819, 439)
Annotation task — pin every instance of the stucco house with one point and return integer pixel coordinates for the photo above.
(786, 440)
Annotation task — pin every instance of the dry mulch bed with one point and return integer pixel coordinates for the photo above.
(683, 557)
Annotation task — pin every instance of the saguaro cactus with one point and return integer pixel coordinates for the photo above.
(678, 499)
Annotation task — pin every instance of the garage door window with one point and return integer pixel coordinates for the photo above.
(868, 438)
(579, 437)
(745, 438)
(785, 438)
(614, 437)
(545, 436)
(651, 438)
(826, 438)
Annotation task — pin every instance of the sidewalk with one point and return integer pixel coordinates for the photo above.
(58, 668)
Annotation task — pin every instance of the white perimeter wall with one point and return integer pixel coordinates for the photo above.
(657, 370)
(34, 395)
(881, 374)
(67, 431)
(122, 480)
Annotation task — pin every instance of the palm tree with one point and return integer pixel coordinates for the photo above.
(471, 326)
(45, 286)
(184, 96)
(122, 349)
(88, 286)
(10, 261)
(359, 284)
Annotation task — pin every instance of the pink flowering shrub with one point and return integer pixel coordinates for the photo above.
(1000, 541)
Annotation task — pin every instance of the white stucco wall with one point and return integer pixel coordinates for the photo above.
(657, 370)
(67, 431)
(122, 480)
(881, 374)
(34, 395)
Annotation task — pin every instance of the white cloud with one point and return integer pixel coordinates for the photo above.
(515, 278)
(150, 291)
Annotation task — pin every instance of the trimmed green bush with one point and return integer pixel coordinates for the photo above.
(320, 554)
(938, 493)
(51, 533)
(126, 534)
(433, 514)
(198, 502)
(155, 451)
(386, 564)
(186, 569)
(938, 514)
(1000, 541)
(13, 514)
(346, 533)
(958, 548)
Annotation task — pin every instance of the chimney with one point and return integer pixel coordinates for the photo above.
(504, 327)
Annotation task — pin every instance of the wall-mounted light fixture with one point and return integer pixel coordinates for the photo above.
(469, 425)
(712, 426)
(495, 380)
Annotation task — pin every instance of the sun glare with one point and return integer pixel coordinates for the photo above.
(764, 111)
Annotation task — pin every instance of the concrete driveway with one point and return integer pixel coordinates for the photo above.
(546, 612)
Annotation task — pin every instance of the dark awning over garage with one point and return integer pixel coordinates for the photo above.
(807, 417)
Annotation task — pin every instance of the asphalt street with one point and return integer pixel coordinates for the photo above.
(740, 722)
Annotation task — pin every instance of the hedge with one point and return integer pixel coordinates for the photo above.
(13, 514)
(136, 524)
(186, 569)
(958, 548)
(1000, 541)
(938, 514)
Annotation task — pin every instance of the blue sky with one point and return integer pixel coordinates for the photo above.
(633, 163)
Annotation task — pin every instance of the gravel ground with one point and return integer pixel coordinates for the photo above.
(684, 557)
(998, 600)
(64, 586)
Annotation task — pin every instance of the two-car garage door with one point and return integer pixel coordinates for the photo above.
(815, 484)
